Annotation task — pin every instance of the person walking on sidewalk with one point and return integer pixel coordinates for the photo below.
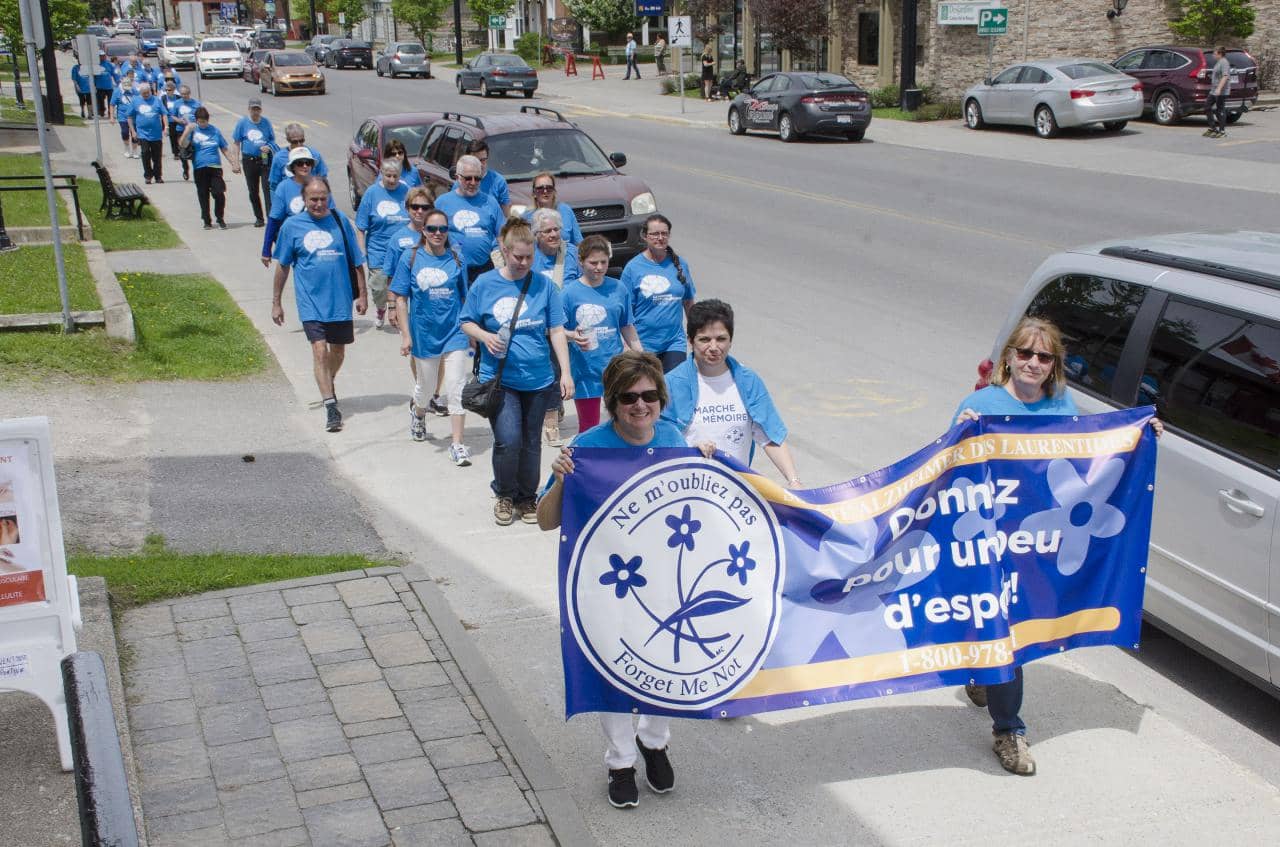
(559, 261)
(544, 197)
(382, 211)
(491, 182)
(169, 98)
(319, 246)
(394, 149)
(104, 84)
(84, 89)
(121, 101)
(287, 199)
(474, 218)
(254, 141)
(631, 57)
(209, 147)
(660, 55)
(660, 286)
(295, 136)
(148, 124)
(1215, 105)
(181, 116)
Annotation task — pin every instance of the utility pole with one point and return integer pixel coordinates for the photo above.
(53, 109)
(457, 31)
(908, 77)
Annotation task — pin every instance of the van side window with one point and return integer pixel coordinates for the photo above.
(1095, 315)
(1216, 376)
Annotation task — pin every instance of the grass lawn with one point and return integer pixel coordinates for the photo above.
(188, 328)
(34, 286)
(11, 114)
(928, 112)
(149, 232)
(156, 573)
(28, 208)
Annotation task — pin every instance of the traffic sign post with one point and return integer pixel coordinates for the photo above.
(497, 22)
(679, 34)
(992, 22)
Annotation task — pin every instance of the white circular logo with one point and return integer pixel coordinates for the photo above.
(254, 135)
(144, 109)
(296, 204)
(652, 284)
(464, 218)
(503, 309)
(674, 587)
(316, 239)
(387, 208)
(185, 110)
(201, 137)
(431, 278)
(589, 315)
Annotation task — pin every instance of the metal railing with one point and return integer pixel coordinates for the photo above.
(69, 184)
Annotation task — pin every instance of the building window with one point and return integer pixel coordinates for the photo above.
(868, 38)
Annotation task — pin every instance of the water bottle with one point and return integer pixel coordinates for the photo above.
(504, 335)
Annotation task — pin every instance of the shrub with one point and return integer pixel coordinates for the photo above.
(944, 111)
(885, 98)
(527, 47)
(691, 83)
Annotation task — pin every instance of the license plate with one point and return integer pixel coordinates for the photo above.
(844, 119)
(518, 84)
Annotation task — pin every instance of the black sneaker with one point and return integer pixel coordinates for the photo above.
(657, 769)
(333, 418)
(259, 223)
(222, 224)
(208, 225)
(623, 793)
(435, 407)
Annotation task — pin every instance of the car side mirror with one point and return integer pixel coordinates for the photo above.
(467, 65)
(453, 173)
(619, 159)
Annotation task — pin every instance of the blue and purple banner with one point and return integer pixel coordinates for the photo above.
(699, 588)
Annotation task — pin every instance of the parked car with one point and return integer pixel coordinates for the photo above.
(149, 41)
(1175, 80)
(289, 72)
(124, 28)
(267, 39)
(497, 73)
(120, 48)
(98, 31)
(242, 36)
(1054, 94)
(605, 200)
(1191, 324)
(178, 50)
(319, 47)
(219, 57)
(800, 103)
(253, 66)
(349, 51)
(403, 57)
(364, 153)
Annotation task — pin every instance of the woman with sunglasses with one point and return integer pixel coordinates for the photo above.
(634, 395)
(428, 287)
(286, 200)
(661, 290)
(382, 212)
(544, 197)
(559, 261)
(529, 384)
(393, 151)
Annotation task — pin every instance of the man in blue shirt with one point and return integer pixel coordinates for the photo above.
(147, 123)
(255, 141)
(83, 91)
(295, 136)
(104, 83)
(631, 57)
(474, 218)
(320, 246)
(181, 115)
(121, 102)
(491, 182)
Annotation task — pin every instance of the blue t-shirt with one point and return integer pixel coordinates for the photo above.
(279, 174)
(122, 99)
(105, 77)
(252, 137)
(286, 200)
(490, 304)
(996, 400)
(381, 213)
(183, 112)
(208, 143)
(473, 225)
(409, 176)
(495, 185)
(605, 311)
(657, 302)
(569, 229)
(665, 434)
(398, 242)
(321, 280)
(435, 292)
(547, 263)
(78, 77)
(148, 118)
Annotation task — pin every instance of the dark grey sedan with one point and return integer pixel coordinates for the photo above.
(497, 73)
(799, 103)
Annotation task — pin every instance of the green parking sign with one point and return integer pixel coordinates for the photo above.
(497, 22)
(993, 21)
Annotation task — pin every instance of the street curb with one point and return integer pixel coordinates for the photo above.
(115, 308)
(562, 813)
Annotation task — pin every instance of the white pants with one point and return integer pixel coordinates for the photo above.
(654, 732)
(455, 375)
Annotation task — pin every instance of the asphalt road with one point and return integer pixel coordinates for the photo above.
(869, 280)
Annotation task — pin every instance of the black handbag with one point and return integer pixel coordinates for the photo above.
(346, 253)
(485, 398)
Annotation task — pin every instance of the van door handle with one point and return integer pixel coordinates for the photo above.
(1240, 503)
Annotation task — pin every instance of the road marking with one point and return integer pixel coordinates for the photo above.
(321, 123)
(222, 108)
(790, 191)
(1241, 141)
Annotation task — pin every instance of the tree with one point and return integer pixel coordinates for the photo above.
(794, 24)
(706, 17)
(422, 17)
(66, 18)
(611, 16)
(1208, 22)
(354, 10)
(481, 10)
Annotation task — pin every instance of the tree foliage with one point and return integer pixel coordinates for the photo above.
(794, 24)
(422, 17)
(67, 18)
(482, 9)
(612, 16)
(706, 16)
(354, 10)
(1207, 22)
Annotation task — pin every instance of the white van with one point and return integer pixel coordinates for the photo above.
(178, 50)
(219, 56)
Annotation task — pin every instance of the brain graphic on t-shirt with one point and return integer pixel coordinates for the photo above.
(316, 239)
(201, 137)
(431, 278)
(652, 284)
(295, 205)
(504, 308)
(464, 218)
(144, 109)
(589, 315)
(254, 135)
(387, 208)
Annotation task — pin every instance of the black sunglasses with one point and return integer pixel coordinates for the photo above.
(628, 398)
(420, 206)
(435, 230)
(1025, 353)
(468, 178)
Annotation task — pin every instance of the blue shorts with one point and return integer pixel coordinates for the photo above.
(332, 332)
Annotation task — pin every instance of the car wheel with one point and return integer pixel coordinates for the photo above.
(379, 72)
(856, 135)
(973, 115)
(1114, 126)
(786, 128)
(1046, 123)
(1232, 117)
(351, 192)
(528, 95)
(461, 90)
(1166, 110)
(274, 93)
(484, 89)
(735, 123)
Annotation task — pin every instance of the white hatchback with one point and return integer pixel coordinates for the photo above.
(219, 57)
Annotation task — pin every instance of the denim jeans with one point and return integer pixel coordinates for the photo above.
(517, 441)
(1004, 702)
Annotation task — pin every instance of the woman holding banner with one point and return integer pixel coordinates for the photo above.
(634, 394)
(1029, 379)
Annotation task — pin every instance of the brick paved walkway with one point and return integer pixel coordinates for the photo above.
(317, 712)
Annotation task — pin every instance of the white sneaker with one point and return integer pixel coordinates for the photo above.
(460, 454)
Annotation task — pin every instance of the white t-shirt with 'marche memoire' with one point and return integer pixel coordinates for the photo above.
(721, 417)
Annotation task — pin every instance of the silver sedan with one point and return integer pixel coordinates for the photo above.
(1053, 94)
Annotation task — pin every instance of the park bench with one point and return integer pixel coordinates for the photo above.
(120, 198)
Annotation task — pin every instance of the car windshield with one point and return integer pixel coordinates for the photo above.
(522, 155)
(283, 59)
(357, 45)
(823, 80)
(152, 34)
(410, 48)
(410, 136)
(119, 49)
(219, 44)
(1085, 70)
(179, 41)
(507, 62)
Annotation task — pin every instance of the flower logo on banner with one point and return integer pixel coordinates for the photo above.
(975, 522)
(673, 590)
(1083, 512)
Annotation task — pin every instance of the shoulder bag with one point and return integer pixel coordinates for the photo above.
(346, 253)
(485, 398)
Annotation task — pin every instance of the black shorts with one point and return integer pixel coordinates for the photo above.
(334, 332)
(86, 99)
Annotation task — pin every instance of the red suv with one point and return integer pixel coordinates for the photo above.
(1175, 80)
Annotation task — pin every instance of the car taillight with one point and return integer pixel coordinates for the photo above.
(1077, 93)
(499, 72)
(834, 98)
(396, 57)
(1137, 86)
(1199, 71)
